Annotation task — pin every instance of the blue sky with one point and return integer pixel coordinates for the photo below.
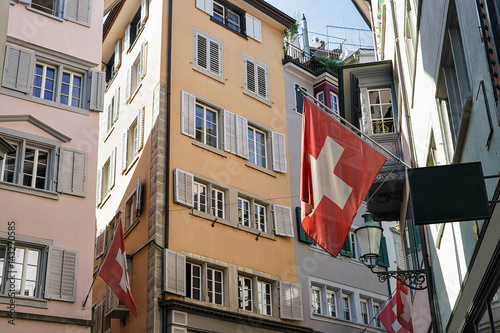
(320, 13)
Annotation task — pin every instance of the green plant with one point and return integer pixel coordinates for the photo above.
(291, 34)
(331, 63)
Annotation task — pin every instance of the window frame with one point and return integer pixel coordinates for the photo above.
(207, 69)
(364, 313)
(204, 132)
(197, 202)
(334, 102)
(245, 302)
(228, 8)
(253, 144)
(241, 219)
(263, 295)
(316, 300)
(213, 285)
(346, 308)
(382, 119)
(256, 80)
(329, 305)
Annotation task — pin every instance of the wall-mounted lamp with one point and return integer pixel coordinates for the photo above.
(369, 236)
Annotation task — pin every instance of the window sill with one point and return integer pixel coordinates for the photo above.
(103, 202)
(228, 28)
(129, 101)
(208, 73)
(256, 232)
(110, 81)
(109, 133)
(209, 148)
(130, 165)
(29, 190)
(259, 168)
(136, 38)
(208, 304)
(131, 227)
(44, 14)
(212, 218)
(25, 301)
(257, 97)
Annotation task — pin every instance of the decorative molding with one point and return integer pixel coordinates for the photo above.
(38, 123)
(50, 319)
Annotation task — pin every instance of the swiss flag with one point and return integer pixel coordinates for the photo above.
(338, 169)
(404, 311)
(115, 273)
(389, 317)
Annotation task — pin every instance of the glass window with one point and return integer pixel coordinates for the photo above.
(260, 217)
(334, 105)
(380, 104)
(44, 82)
(364, 311)
(214, 286)
(376, 310)
(257, 147)
(332, 303)
(193, 281)
(200, 197)
(9, 166)
(265, 304)
(316, 299)
(233, 20)
(218, 12)
(26, 264)
(243, 212)
(206, 125)
(3, 259)
(347, 307)
(71, 88)
(244, 293)
(46, 6)
(218, 203)
(228, 15)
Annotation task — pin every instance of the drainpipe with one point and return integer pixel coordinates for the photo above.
(305, 35)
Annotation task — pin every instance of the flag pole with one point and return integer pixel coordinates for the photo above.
(353, 128)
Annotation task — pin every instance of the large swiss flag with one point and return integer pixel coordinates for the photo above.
(115, 273)
(338, 169)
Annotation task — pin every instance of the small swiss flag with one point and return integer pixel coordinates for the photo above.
(114, 271)
(338, 169)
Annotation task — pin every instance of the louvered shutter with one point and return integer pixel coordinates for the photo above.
(118, 54)
(279, 152)
(100, 244)
(250, 75)
(262, 79)
(206, 6)
(282, 216)
(18, 69)
(126, 42)
(417, 237)
(77, 11)
(399, 254)
(144, 10)
(60, 283)
(138, 197)
(188, 109)
(97, 87)
(303, 237)
(175, 275)
(144, 59)
(215, 58)
(384, 256)
(229, 132)
(140, 129)
(111, 175)
(98, 318)
(124, 160)
(183, 188)
(290, 301)
(253, 27)
(116, 105)
(99, 187)
(202, 57)
(346, 249)
(299, 99)
(72, 177)
(242, 137)
(128, 86)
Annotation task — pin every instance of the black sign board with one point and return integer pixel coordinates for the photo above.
(448, 193)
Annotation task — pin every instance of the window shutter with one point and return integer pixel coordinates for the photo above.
(384, 256)
(215, 57)
(98, 318)
(202, 56)
(282, 221)
(124, 150)
(126, 42)
(416, 232)
(229, 132)
(206, 6)
(253, 27)
(144, 59)
(97, 86)
(303, 237)
(72, 177)
(188, 109)
(111, 176)
(183, 188)
(144, 10)
(99, 187)
(100, 244)
(242, 137)
(138, 197)
(299, 99)
(279, 152)
(116, 104)
(60, 283)
(140, 128)
(175, 276)
(346, 249)
(250, 75)
(399, 254)
(77, 11)
(290, 301)
(128, 86)
(118, 53)
(262, 81)
(18, 69)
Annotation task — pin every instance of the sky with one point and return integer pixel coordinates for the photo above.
(320, 13)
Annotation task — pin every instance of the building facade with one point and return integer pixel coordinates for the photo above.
(51, 94)
(193, 160)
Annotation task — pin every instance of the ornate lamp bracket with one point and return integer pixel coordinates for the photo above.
(414, 279)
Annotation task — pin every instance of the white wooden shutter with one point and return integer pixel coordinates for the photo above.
(72, 177)
(60, 282)
(183, 188)
(399, 253)
(282, 216)
(206, 5)
(144, 10)
(144, 59)
(18, 69)
(188, 109)
(229, 132)
(175, 276)
(100, 244)
(118, 53)
(279, 152)
(138, 197)
(111, 175)
(124, 161)
(98, 318)
(98, 195)
(128, 86)
(77, 11)
(253, 27)
(215, 58)
(116, 105)
(250, 75)
(97, 86)
(290, 301)
(140, 129)
(242, 137)
(262, 80)
(126, 42)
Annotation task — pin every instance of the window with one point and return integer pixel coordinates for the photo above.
(133, 30)
(214, 286)
(346, 303)
(265, 301)
(214, 283)
(133, 140)
(256, 79)
(44, 82)
(349, 247)
(320, 96)
(243, 212)
(106, 177)
(316, 299)
(206, 125)
(334, 105)
(299, 98)
(331, 300)
(259, 218)
(257, 147)
(208, 55)
(208, 199)
(245, 293)
(218, 203)
(228, 15)
(112, 110)
(382, 118)
(193, 281)
(364, 311)
(200, 197)
(26, 264)
(44, 85)
(133, 206)
(376, 311)
(73, 10)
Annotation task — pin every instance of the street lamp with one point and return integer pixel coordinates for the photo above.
(369, 236)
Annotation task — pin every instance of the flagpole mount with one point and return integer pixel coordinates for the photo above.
(413, 279)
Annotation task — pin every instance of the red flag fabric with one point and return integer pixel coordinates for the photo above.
(338, 169)
(114, 271)
(403, 302)
(388, 317)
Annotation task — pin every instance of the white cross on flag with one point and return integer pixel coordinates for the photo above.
(338, 169)
(389, 317)
(114, 271)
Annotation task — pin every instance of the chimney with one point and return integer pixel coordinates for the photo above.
(305, 35)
